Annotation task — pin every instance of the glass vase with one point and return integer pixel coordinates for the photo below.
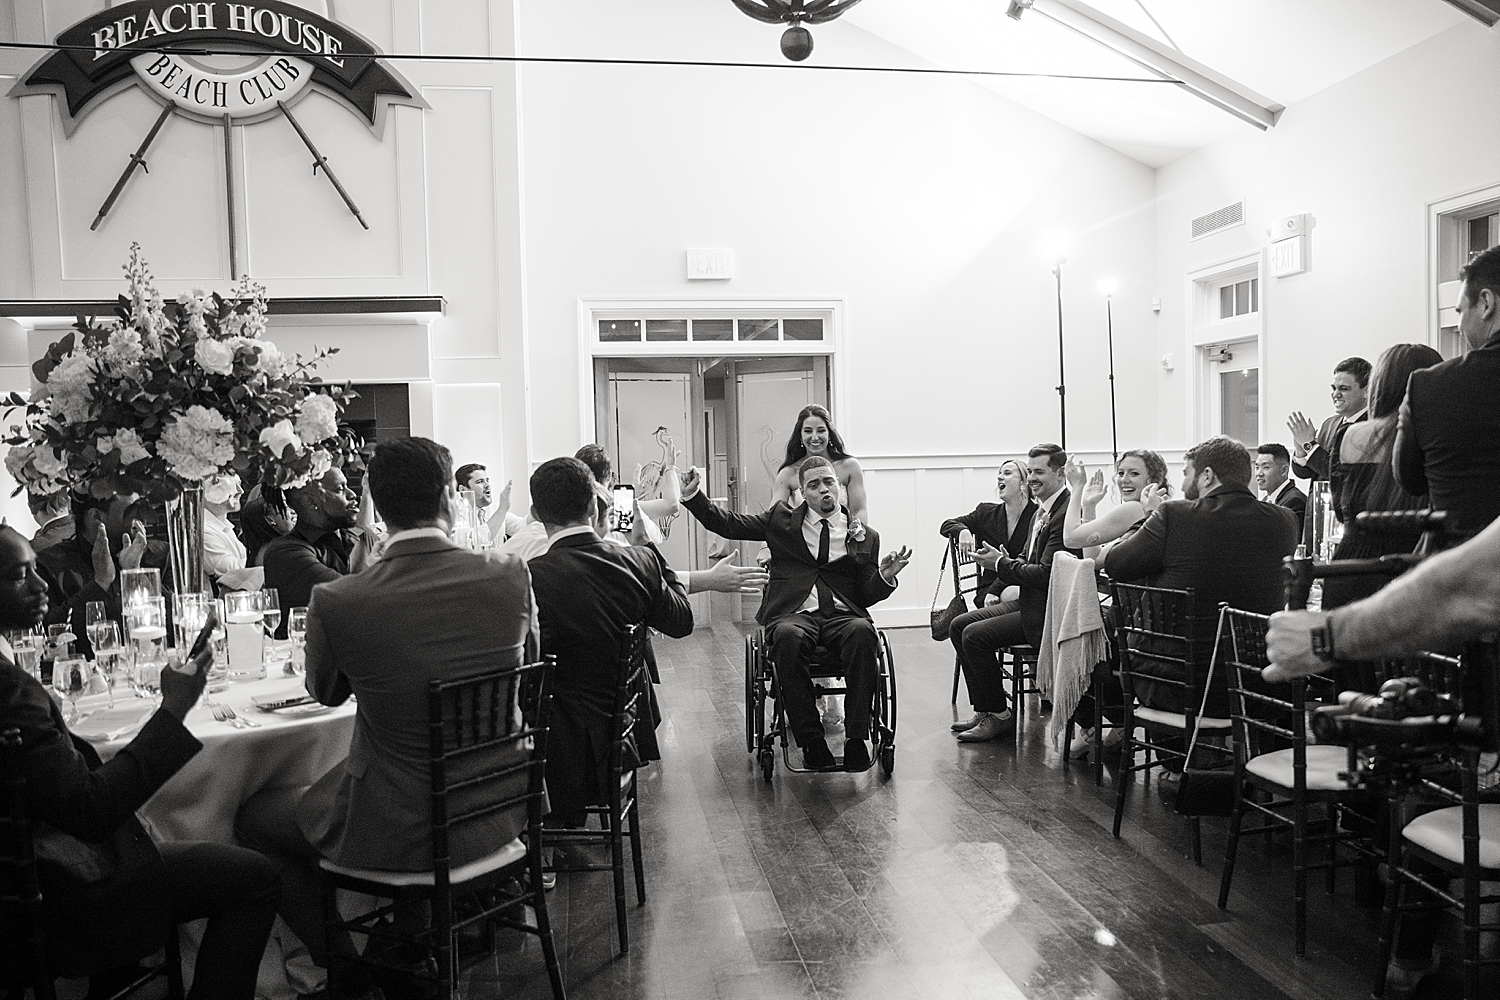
(185, 541)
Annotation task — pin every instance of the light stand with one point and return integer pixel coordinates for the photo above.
(1114, 427)
(1062, 378)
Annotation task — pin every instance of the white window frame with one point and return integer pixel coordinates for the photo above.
(1442, 295)
(829, 310)
(1205, 330)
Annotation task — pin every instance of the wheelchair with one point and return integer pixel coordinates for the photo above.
(763, 724)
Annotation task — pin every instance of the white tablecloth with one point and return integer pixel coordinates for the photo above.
(201, 800)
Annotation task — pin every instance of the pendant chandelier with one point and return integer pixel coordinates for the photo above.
(796, 41)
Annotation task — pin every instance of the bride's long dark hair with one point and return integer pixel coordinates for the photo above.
(796, 451)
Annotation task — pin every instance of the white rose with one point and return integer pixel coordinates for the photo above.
(15, 460)
(280, 436)
(318, 420)
(48, 462)
(214, 356)
(131, 447)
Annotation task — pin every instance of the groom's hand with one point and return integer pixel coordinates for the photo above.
(692, 482)
(893, 563)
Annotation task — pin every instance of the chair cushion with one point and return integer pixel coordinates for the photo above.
(1177, 720)
(507, 855)
(1442, 832)
(1323, 766)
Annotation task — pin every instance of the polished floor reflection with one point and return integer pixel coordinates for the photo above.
(982, 871)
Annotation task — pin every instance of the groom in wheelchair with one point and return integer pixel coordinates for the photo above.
(826, 571)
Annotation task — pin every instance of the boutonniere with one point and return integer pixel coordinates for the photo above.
(856, 530)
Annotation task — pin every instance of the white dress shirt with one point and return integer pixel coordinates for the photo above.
(812, 533)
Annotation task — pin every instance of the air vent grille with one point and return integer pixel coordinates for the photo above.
(1225, 218)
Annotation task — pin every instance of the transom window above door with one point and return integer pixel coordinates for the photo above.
(750, 329)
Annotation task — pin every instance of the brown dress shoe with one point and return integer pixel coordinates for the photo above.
(991, 727)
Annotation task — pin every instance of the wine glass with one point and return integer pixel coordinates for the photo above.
(270, 607)
(96, 614)
(68, 674)
(109, 653)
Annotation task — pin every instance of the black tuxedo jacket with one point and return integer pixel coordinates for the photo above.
(1320, 457)
(794, 569)
(1293, 500)
(1035, 574)
(588, 591)
(100, 873)
(1448, 439)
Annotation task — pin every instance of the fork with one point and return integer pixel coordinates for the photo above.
(222, 714)
(234, 719)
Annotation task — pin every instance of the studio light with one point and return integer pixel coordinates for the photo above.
(1017, 8)
(797, 41)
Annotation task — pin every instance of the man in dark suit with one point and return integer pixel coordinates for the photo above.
(1272, 467)
(979, 640)
(823, 581)
(1448, 438)
(428, 610)
(333, 536)
(1219, 541)
(588, 591)
(53, 512)
(1350, 388)
(111, 896)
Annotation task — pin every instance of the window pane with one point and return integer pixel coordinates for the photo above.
(1239, 399)
(1241, 298)
(615, 330)
(1479, 234)
(1255, 295)
(802, 329)
(666, 329)
(760, 329)
(713, 329)
(1226, 302)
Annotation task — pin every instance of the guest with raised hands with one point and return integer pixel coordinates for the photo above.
(1140, 478)
(1005, 525)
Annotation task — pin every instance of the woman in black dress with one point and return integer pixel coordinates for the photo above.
(1360, 474)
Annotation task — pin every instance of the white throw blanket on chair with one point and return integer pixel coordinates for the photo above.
(1072, 638)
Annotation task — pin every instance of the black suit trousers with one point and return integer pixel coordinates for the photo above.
(853, 639)
(979, 636)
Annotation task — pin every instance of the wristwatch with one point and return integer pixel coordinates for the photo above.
(1322, 640)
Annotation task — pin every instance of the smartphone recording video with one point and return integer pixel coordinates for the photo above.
(624, 507)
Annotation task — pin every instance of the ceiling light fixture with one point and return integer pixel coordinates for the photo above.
(1017, 8)
(797, 41)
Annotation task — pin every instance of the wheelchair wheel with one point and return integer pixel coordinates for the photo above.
(887, 760)
(754, 704)
(888, 684)
(767, 763)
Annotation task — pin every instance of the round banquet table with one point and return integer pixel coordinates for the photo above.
(199, 802)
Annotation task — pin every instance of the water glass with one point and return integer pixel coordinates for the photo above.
(243, 624)
(192, 612)
(109, 655)
(60, 639)
(26, 645)
(147, 623)
(296, 630)
(68, 673)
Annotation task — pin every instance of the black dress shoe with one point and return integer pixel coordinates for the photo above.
(856, 757)
(817, 757)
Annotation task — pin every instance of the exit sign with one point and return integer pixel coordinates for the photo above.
(1288, 257)
(710, 265)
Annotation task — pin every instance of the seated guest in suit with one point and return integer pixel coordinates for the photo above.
(980, 638)
(500, 524)
(427, 610)
(823, 581)
(1314, 451)
(110, 895)
(1218, 540)
(1273, 466)
(588, 591)
(334, 535)
(1448, 441)
(1004, 525)
(86, 567)
(53, 513)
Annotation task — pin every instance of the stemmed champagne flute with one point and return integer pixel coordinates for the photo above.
(96, 618)
(296, 630)
(109, 653)
(270, 607)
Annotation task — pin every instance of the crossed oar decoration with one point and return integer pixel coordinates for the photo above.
(138, 159)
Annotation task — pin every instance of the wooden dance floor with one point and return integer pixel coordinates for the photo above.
(983, 871)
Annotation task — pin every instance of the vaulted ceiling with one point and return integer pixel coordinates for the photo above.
(1283, 50)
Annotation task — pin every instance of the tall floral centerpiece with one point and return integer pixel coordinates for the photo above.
(166, 396)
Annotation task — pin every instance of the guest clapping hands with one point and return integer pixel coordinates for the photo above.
(1140, 477)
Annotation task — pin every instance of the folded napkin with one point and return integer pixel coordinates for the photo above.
(105, 725)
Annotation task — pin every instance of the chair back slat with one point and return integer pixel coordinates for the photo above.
(1261, 709)
(487, 730)
(1154, 627)
(965, 569)
(630, 700)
